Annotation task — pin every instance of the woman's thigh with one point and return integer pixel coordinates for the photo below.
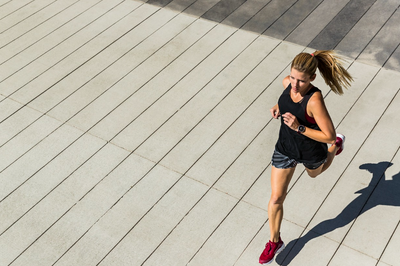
(315, 169)
(280, 179)
(314, 172)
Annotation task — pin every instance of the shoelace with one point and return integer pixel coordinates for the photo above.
(268, 247)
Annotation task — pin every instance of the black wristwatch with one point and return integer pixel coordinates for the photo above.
(301, 129)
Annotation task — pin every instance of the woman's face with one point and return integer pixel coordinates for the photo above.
(300, 81)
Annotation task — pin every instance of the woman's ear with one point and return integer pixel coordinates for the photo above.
(312, 78)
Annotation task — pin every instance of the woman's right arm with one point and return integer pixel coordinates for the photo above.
(275, 110)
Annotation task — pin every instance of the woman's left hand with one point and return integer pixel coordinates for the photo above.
(291, 121)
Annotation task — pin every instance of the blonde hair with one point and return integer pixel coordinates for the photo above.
(328, 64)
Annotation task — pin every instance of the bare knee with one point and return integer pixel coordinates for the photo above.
(313, 173)
(277, 199)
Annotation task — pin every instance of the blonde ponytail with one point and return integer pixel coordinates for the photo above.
(328, 64)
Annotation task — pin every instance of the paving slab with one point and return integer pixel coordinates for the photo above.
(26, 37)
(63, 86)
(82, 216)
(10, 7)
(390, 255)
(349, 256)
(222, 10)
(240, 220)
(45, 160)
(393, 62)
(235, 92)
(255, 247)
(23, 13)
(244, 13)
(42, 56)
(26, 140)
(121, 218)
(21, 27)
(266, 16)
(383, 201)
(200, 89)
(380, 49)
(358, 38)
(380, 263)
(292, 17)
(39, 219)
(163, 88)
(339, 26)
(318, 251)
(308, 29)
(172, 249)
(352, 174)
(139, 74)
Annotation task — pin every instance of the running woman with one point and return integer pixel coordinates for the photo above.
(305, 132)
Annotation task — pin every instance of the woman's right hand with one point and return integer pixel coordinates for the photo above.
(275, 111)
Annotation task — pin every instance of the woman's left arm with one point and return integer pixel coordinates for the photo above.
(316, 107)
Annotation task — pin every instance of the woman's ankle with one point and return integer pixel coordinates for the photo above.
(275, 238)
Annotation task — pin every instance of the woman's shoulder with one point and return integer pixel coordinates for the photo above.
(314, 90)
(286, 82)
(316, 99)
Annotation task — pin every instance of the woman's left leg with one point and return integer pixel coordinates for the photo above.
(330, 156)
(280, 179)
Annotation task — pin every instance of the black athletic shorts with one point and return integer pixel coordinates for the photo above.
(283, 162)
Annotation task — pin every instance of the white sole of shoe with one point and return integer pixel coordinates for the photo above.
(343, 139)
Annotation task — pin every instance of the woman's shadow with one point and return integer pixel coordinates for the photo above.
(388, 195)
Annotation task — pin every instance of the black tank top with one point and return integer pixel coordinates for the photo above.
(292, 144)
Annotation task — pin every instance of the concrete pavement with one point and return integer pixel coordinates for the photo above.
(138, 132)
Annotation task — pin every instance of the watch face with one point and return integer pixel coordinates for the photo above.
(302, 128)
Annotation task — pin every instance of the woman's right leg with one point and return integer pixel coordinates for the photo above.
(280, 179)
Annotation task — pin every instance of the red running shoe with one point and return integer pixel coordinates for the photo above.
(271, 248)
(340, 143)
